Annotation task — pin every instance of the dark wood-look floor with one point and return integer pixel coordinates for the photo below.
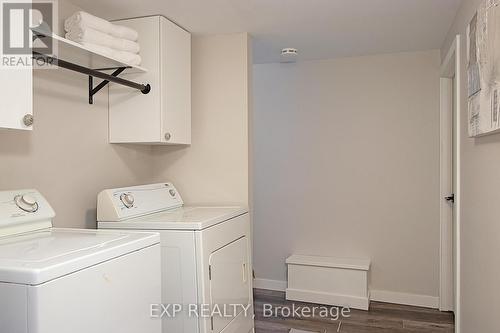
(381, 318)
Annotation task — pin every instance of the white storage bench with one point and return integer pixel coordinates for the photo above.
(327, 280)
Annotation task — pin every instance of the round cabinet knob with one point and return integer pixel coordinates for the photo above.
(172, 192)
(168, 136)
(127, 199)
(27, 203)
(28, 120)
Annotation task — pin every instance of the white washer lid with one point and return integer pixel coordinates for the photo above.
(184, 218)
(41, 256)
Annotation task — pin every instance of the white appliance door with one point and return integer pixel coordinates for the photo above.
(229, 282)
(114, 296)
(38, 257)
(179, 283)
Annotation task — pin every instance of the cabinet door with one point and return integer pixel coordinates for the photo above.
(164, 115)
(176, 80)
(133, 116)
(16, 94)
(229, 282)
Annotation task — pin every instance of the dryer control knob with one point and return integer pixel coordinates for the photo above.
(127, 199)
(26, 202)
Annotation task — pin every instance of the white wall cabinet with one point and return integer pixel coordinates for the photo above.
(16, 94)
(164, 115)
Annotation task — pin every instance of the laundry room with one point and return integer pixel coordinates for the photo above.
(248, 166)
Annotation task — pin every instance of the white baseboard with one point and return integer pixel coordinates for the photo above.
(375, 295)
(361, 303)
(404, 299)
(267, 284)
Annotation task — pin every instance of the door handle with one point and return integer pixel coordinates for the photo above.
(245, 273)
(450, 198)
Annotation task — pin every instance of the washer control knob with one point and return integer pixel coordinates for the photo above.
(172, 192)
(26, 202)
(127, 199)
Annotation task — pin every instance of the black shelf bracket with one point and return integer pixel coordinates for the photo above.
(93, 90)
(113, 77)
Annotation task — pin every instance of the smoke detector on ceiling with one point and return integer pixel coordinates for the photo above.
(289, 54)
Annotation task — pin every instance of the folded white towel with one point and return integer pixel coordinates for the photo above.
(122, 56)
(85, 20)
(89, 35)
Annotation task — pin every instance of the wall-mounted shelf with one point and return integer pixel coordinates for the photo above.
(76, 57)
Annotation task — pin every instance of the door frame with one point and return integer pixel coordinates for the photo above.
(449, 103)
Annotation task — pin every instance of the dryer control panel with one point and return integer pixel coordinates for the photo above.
(129, 202)
(23, 211)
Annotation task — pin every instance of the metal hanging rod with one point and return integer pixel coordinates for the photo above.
(144, 88)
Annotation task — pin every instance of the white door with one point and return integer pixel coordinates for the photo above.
(454, 174)
(448, 185)
(450, 134)
(229, 282)
(450, 181)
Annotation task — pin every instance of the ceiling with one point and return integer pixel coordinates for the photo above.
(320, 29)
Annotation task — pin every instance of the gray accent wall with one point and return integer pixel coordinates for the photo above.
(346, 164)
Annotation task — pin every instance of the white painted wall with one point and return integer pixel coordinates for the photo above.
(214, 169)
(346, 163)
(67, 156)
(480, 227)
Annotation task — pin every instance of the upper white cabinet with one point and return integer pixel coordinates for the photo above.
(164, 115)
(16, 94)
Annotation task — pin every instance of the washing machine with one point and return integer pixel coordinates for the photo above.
(56, 280)
(205, 254)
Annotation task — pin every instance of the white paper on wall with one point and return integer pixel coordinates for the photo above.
(483, 69)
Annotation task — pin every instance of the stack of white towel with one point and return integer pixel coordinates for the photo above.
(104, 37)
